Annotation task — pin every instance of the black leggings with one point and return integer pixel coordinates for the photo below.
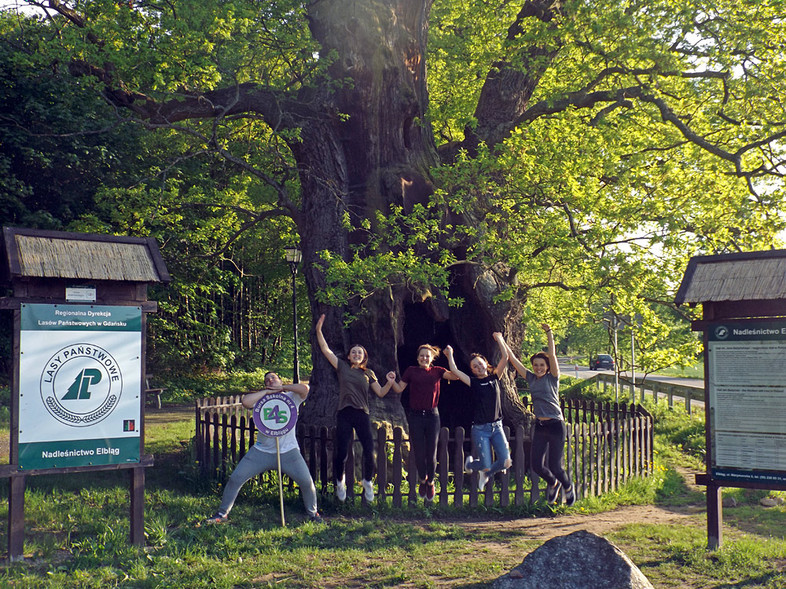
(423, 435)
(548, 448)
(348, 419)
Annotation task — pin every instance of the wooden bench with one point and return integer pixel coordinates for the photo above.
(151, 393)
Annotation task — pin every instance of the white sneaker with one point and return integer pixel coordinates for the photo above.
(341, 490)
(482, 480)
(467, 463)
(368, 491)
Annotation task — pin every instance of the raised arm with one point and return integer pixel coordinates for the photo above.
(552, 351)
(323, 345)
(299, 389)
(452, 364)
(520, 368)
(499, 370)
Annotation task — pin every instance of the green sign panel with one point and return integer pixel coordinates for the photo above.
(80, 385)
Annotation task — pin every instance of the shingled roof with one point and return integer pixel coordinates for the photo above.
(748, 276)
(34, 253)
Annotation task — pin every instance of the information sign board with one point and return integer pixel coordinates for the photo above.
(747, 400)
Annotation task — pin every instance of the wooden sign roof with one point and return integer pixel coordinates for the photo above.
(33, 253)
(747, 276)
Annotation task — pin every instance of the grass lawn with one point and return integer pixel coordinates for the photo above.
(77, 530)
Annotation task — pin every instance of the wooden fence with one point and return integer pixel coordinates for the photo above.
(607, 444)
(689, 395)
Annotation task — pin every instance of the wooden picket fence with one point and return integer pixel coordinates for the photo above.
(607, 445)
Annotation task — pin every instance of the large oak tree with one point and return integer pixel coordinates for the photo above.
(572, 147)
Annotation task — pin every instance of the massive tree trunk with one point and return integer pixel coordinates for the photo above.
(375, 157)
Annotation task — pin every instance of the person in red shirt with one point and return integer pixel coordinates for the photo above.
(420, 404)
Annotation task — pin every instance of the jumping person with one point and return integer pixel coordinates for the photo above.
(423, 381)
(262, 455)
(487, 429)
(354, 382)
(548, 437)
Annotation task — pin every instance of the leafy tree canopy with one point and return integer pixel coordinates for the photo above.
(582, 149)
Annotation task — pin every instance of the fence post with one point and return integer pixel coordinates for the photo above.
(382, 463)
(398, 435)
(504, 486)
(458, 467)
(519, 464)
(443, 464)
(323, 457)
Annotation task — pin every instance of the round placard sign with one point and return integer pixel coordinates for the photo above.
(275, 414)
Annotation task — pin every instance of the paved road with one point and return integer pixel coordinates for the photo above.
(579, 371)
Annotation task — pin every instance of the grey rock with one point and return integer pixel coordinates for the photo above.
(729, 502)
(580, 560)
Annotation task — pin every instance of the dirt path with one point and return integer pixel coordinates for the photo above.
(543, 529)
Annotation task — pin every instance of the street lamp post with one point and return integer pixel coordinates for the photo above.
(293, 256)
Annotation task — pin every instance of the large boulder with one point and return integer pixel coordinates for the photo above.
(580, 560)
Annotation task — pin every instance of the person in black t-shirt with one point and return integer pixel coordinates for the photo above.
(487, 429)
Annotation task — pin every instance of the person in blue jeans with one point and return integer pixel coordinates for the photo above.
(487, 432)
(549, 434)
(262, 456)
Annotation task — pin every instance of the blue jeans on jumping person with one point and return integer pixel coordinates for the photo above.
(484, 437)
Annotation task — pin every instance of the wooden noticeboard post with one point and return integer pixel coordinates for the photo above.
(77, 404)
(743, 297)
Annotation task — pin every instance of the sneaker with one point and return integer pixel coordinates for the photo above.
(467, 464)
(316, 518)
(430, 491)
(368, 491)
(482, 480)
(422, 490)
(341, 490)
(570, 496)
(552, 492)
(217, 519)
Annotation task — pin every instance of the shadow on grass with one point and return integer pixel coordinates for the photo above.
(675, 492)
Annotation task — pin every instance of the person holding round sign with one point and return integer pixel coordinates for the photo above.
(275, 415)
(354, 382)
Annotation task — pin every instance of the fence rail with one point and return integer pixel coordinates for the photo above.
(607, 444)
(639, 389)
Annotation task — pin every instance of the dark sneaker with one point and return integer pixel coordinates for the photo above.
(570, 496)
(217, 519)
(316, 518)
(430, 492)
(422, 490)
(552, 492)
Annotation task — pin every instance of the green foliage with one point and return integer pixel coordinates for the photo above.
(644, 137)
